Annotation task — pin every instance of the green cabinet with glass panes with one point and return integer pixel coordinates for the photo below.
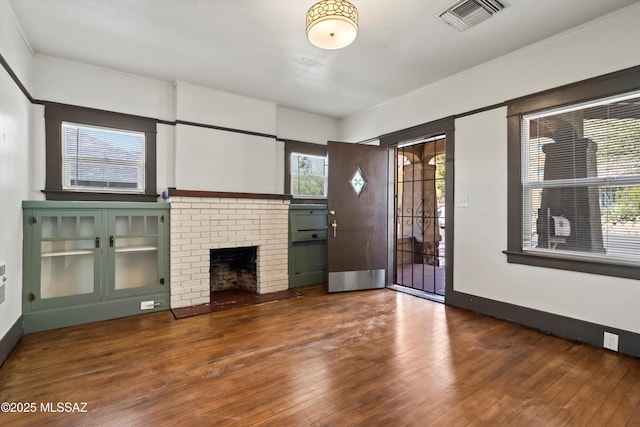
(91, 261)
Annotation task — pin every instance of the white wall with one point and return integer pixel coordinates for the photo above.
(218, 160)
(214, 160)
(13, 47)
(481, 166)
(70, 82)
(14, 162)
(305, 127)
(215, 107)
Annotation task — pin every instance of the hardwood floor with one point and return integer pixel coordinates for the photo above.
(363, 358)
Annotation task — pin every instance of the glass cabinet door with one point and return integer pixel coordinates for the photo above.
(68, 246)
(135, 254)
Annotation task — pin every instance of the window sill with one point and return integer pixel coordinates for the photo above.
(297, 200)
(104, 197)
(583, 266)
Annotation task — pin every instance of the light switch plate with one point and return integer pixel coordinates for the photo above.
(463, 201)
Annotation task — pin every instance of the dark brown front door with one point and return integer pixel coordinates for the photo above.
(357, 216)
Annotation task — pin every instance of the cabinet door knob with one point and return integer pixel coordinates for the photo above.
(98, 242)
(111, 241)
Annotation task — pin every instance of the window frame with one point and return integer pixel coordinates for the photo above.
(56, 114)
(67, 175)
(298, 175)
(299, 147)
(604, 86)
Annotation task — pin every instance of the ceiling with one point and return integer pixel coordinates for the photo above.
(258, 48)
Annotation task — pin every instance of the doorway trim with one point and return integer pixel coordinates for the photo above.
(444, 127)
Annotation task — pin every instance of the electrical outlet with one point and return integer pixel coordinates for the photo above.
(611, 341)
(147, 305)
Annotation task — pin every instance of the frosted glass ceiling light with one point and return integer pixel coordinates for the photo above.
(332, 24)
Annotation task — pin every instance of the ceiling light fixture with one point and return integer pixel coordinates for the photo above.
(332, 24)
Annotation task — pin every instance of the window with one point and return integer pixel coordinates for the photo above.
(102, 159)
(305, 170)
(99, 155)
(581, 184)
(308, 175)
(578, 184)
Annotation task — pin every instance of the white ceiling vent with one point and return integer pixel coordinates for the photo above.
(464, 14)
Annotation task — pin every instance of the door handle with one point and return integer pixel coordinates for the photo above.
(334, 227)
(97, 242)
(111, 241)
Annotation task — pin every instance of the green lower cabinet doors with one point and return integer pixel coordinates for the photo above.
(136, 256)
(67, 255)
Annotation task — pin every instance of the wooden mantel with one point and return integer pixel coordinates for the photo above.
(222, 194)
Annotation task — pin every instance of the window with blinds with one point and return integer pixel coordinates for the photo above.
(581, 180)
(101, 159)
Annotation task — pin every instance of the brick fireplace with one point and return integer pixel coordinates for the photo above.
(202, 221)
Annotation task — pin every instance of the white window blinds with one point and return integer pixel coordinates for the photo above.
(581, 180)
(102, 159)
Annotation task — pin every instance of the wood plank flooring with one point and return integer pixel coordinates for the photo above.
(368, 358)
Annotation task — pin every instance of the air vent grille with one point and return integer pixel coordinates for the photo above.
(466, 8)
(464, 14)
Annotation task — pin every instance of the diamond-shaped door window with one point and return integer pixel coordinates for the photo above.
(358, 181)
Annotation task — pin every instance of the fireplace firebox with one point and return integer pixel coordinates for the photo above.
(233, 268)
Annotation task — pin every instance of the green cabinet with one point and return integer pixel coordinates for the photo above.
(307, 244)
(138, 254)
(63, 257)
(90, 261)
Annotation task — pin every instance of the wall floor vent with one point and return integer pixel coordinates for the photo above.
(464, 14)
